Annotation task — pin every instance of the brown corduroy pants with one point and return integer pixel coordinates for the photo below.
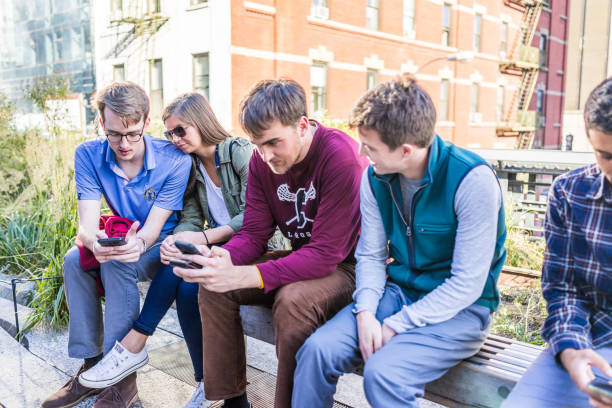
(299, 308)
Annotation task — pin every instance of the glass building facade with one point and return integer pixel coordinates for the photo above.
(43, 38)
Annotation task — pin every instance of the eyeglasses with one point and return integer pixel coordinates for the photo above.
(130, 137)
(178, 131)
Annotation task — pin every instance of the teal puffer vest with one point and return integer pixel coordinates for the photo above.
(422, 251)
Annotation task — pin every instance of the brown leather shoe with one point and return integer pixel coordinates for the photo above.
(70, 394)
(121, 395)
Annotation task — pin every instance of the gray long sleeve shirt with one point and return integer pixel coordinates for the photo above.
(477, 203)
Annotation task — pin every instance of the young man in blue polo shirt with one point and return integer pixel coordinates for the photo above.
(142, 179)
(577, 278)
(435, 211)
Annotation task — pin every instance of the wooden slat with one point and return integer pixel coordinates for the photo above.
(483, 380)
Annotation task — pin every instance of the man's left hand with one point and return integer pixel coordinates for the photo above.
(387, 334)
(218, 273)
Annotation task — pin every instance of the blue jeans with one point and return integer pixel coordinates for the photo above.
(88, 334)
(165, 288)
(546, 384)
(396, 374)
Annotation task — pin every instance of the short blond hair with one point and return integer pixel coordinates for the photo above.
(127, 99)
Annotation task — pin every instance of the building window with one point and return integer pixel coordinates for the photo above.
(371, 78)
(372, 14)
(318, 82)
(116, 5)
(320, 9)
(543, 43)
(118, 73)
(59, 46)
(503, 44)
(201, 74)
(475, 115)
(446, 24)
(540, 102)
(156, 81)
(501, 96)
(477, 32)
(76, 44)
(153, 6)
(444, 98)
(409, 15)
(541, 121)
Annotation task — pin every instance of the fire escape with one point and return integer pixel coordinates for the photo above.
(523, 61)
(144, 22)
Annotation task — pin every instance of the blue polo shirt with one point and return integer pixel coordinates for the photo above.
(160, 182)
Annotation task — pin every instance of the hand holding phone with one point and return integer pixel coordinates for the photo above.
(601, 387)
(112, 241)
(185, 264)
(186, 248)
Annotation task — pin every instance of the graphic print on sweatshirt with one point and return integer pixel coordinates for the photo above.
(299, 198)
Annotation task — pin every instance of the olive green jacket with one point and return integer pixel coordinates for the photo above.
(233, 172)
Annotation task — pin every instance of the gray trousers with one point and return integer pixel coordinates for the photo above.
(396, 374)
(546, 384)
(89, 334)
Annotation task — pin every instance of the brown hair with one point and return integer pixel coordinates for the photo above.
(270, 100)
(126, 99)
(399, 110)
(598, 108)
(193, 109)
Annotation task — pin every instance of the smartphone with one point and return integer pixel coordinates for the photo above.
(601, 387)
(112, 241)
(186, 248)
(185, 264)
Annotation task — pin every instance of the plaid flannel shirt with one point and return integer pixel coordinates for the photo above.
(577, 272)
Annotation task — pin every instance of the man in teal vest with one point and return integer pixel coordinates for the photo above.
(428, 259)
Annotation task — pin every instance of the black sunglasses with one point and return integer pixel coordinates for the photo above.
(178, 131)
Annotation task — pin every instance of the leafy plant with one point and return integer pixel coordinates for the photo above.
(521, 314)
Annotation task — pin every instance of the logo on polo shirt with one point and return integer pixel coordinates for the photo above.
(150, 194)
(300, 197)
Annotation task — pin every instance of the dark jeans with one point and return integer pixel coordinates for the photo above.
(165, 288)
(299, 308)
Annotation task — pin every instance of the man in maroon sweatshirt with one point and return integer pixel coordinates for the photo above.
(304, 179)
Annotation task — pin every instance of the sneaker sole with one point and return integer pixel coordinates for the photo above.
(112, 381)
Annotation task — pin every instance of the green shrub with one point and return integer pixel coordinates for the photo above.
(521, 313)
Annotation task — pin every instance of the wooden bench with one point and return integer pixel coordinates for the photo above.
(483, 380)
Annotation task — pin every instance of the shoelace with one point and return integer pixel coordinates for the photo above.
(103, 366)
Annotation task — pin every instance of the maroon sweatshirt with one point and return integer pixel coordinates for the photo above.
(315, 204)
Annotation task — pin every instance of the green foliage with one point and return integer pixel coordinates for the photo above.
(340, 124)
(7, 113)
(523, 250)
(521, 314)
(38, 218)
(46, 88)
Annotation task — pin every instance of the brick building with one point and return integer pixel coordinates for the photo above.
(336, 49)
(551, 38)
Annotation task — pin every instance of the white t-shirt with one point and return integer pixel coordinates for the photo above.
(216, 204)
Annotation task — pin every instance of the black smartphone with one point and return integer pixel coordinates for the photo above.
(601, 387)
(112, 241)
(186, 248)
(185, 264)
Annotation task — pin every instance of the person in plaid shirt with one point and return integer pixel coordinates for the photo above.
(577, 277)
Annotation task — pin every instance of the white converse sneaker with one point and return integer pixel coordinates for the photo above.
(114, 367)
(198, 399)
